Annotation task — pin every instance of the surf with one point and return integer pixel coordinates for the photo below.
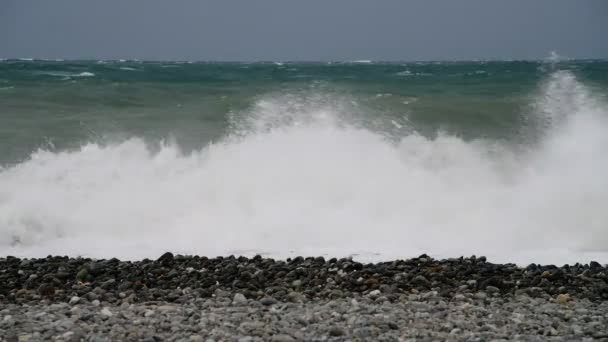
(305, 177)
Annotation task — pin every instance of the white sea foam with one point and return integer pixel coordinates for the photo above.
(65, 75)
(554, 57)
(409, 100)
(84, 74)
(407, 73)
(304, 178)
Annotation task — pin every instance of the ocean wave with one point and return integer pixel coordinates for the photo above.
(409, 73)
(84, 74)
(409, 100)
(65, 75)
(303, 176)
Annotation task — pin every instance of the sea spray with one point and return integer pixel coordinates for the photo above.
(309, 178)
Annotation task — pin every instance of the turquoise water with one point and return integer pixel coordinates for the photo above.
(372, 160)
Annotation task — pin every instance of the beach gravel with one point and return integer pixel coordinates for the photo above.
(191, 298)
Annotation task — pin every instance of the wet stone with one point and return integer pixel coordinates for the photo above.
(193, 298)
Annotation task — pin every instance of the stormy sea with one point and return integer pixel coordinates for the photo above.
(372, 160)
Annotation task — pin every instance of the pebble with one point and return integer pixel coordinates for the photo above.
(480, 295)
(422, 317)
(374, 294)
(166, 308)
(336, 331)
(492, 289)
(562, 298)
(267, 301)
(239, 299)
(106, 312)
(61, 278)
(193, 298)
(282, 338)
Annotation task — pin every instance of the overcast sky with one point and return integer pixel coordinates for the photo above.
(303, 30)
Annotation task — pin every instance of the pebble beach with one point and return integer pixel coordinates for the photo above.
(193, 298)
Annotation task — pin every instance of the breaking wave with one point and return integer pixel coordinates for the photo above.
(303, 178)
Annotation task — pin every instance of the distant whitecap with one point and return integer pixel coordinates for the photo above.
(85, 74)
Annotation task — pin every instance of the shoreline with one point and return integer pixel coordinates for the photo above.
(422, 298)
(55, 278)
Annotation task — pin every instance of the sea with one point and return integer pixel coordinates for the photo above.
(362, 159)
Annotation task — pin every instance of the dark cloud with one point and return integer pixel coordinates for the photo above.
(303, 30)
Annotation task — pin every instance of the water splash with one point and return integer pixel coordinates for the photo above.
(306, 177)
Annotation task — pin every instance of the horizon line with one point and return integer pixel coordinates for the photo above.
(303, 61)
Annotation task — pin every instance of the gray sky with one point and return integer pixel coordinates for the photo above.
(303, 30)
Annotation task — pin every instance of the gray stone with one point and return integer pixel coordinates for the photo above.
(74, 300)
(239, 299)
(374, 294)
(492, 289)
(282, 338)
(106, 312)
(336, 331)
(268, 301)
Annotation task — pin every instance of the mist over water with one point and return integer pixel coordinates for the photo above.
(314, 175)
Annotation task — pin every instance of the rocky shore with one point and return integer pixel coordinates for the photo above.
(192, 298)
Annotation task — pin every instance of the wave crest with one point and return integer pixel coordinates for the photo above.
(308, 177)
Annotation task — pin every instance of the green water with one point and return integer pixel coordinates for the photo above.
(60, 105)
(377, 160)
